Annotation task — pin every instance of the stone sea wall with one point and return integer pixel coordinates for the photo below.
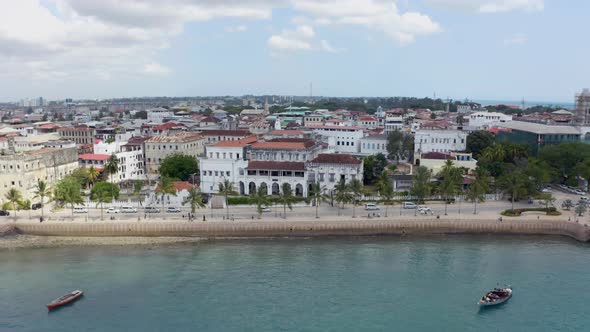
(7, 229)
(359, 227)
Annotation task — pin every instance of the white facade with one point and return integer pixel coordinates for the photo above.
(329, 169)
(221, 163)
(131, 162)
(393, 123)
(485, 120)
(157, 115)
(374, 144)
(341, 138)
(444, 141)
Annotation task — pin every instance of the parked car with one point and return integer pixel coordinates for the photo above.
(265, 209)
(80, 210)
(4, 213)
(423, 209)
(409, 205)
(172, 209)
(128, 209)
(584, 198)
(371, 207)
(113, 210)
(151, 209)
(36, 206)
(579, 192)
(546, 190)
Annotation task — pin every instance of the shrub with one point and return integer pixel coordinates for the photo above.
(552, 211)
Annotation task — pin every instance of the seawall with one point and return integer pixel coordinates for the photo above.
(7, 229)
(320, 227)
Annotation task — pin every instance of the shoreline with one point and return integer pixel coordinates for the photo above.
(168, 232)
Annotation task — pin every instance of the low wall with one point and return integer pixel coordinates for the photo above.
(320, 227)
(7, 229)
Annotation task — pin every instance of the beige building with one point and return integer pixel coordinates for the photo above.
(158, 148)
(81, 135)
(21, 171)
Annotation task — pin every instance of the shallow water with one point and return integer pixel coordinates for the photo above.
(355, 284)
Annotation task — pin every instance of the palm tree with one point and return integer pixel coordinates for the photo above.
(450, 179)
(41, 191)
(166, 186)
(356, 189)
(226, 188)
(195, 199)
(14, 196)
(318, 194)
(137, 187)
(92, 173)
(494, 153)
(421, 186)
(512, 183)
(25, 205)
(112, 166)
(286, 198)
(385, 187)
(343, 195)
(260, 198)
(479, 187)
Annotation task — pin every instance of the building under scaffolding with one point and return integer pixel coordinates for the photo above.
(583, 106)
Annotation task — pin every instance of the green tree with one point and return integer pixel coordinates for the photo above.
(547, 199)
(13, 196)
(103, 192)
(195, 199)
(400, 146)
(179, 166)
(581, 209)
(25, 205)
(513, 184)
(137, 188)
(356, 189)
(385, 186)
(286, 198)
(260, 198)
(477, 141)
(226, 188)
(567, 204)
(68, 192)
(450, 179)
(373, 166)
(343, 194)
(111, 167)
(421, 185)
(165, 187)
(478, 188)
(583, 170)
(42, 191)
(92, 174)
(317, 194)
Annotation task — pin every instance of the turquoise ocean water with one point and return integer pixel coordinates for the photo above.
(357, 284)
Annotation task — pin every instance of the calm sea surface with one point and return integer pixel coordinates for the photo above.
(361, 284)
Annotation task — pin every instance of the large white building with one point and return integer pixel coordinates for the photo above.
(444, 141)
(393, 122)
(130, 156)
(342, 139)
(158, 115)
(329, 169)
(486, 120)
(226, 160)
(374, 144)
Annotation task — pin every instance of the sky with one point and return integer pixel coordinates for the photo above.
(474, 49)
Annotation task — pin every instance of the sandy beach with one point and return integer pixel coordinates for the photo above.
(32, 241)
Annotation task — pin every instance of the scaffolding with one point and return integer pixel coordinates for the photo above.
(583, 106)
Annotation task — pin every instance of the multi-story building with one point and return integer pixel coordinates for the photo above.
(22, 171)
(329, 169)
(374, 144)
(158, 115)
(583, 106)
(486, 120)
(226, 160)
(537, 135)
(342, 139)
(80, 135)
(368, 122)
(215, 136)
(393, 122)
(158, 148)
(130, 157)
(444, 141)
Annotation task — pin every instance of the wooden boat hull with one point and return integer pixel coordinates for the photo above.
(64, 300)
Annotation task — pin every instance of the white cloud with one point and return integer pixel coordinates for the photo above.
(516, 39)
(156, 69)
(68, 39)
(238, 28)
(490, 6)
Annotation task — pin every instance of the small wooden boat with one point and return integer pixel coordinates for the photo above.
(496, 296)
(68, 298)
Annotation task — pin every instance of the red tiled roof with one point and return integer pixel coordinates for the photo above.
(225, 133)
(435, 155)
(286, 132)
(276, 165)
(49, 126)
(93, 156)
(179, 186)
(333, 158)
(210, 119)
(167, 126)
(337, 127)
(285, 144)
(367, 118)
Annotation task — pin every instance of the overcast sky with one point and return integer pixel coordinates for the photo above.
(477, 49)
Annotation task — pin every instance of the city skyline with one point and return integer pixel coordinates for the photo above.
(479, 50)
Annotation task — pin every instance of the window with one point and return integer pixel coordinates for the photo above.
(331, 177)
(216, 173)
(227, 173)
(321, 177)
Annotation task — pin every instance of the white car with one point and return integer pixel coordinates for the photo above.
(172, 209)
(371, 207)
(265, 209)
(409, 205)
(113, 210)
(579, 192)
(128, 209)
(80, 210)
(584, 198)
(423, 209)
